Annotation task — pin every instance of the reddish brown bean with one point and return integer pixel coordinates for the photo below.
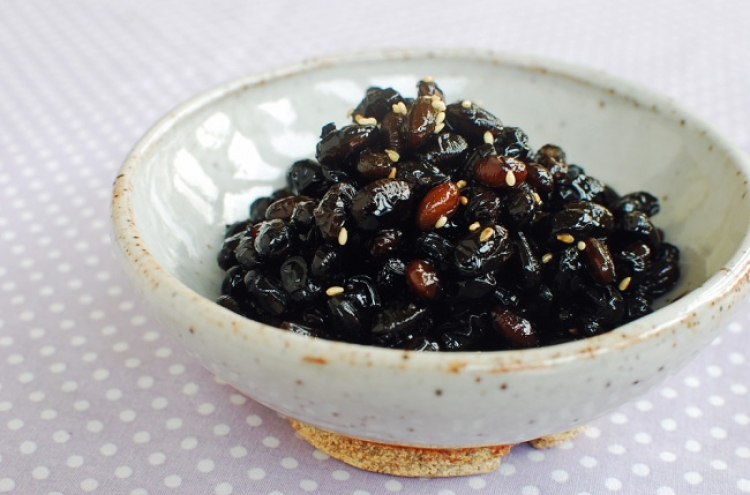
(419, 123)
(499, 171)
(518, 331)
(598, 260)
(441, 201)
(422, 279)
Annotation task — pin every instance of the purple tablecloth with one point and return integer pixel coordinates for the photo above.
(96, 397)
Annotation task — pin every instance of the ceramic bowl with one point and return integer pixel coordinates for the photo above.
(201, 165)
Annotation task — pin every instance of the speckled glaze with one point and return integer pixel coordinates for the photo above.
(199, 167)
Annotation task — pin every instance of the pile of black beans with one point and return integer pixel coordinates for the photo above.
(433, 227)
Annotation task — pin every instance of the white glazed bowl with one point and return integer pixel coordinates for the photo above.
(200, 166)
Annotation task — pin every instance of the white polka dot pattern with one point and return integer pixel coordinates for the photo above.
(95, 398)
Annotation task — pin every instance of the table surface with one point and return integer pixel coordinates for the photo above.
(96, 397)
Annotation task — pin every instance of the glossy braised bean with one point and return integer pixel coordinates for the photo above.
(531, 265)
(483, 205)
(381, 204)
(472, 121)
(583, 219)
(258, 209)
(512, 141)
(638, 201)
(351, 310)
(438, 204)
(598, 260)
(374, 165)
(518, 331)
(429, 88)
(332, 211)
(377, 102)
(423, 279)
(275, 239)
(540, 179)
(391, 137)
(340, 146)
(498, 171)
(553, 158)
(446, 151)
(386, 242)
(282, 209)
(397, 324)
(419, 123)
(481, 251)
(577, 186)
(267, 292)
(305, 178)
(226, 258)
(421, 175)
(638, 226)
(433, 247)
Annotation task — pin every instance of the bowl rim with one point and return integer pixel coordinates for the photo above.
(158, 282)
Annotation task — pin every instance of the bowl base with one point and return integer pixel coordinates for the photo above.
(415, 462)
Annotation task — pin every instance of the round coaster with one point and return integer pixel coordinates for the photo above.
(400, 460)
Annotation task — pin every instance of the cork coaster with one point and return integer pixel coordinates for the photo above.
(549, 441)
(399, 460)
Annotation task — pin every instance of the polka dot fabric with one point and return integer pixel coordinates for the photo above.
(96, 398)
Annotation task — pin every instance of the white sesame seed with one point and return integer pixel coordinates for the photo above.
(402, 107)
(358, 117)
(440, 118)
(393, 155)
(536, 196)
(439, 128)
(486, 234)
(463, 200)
(566, 238)
(428, 79)
(368, 121)
(510, 179)
(474, 226)
(334, 290)
(392, 174)
(439, 105)
(441, 222)
(488, 137)
(461, 184)
(343, 236)
(466, 104)
(349, 113)
(546, 258)
(581, 245)
(624, 283)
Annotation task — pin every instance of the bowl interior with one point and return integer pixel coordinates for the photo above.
(236, 142)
